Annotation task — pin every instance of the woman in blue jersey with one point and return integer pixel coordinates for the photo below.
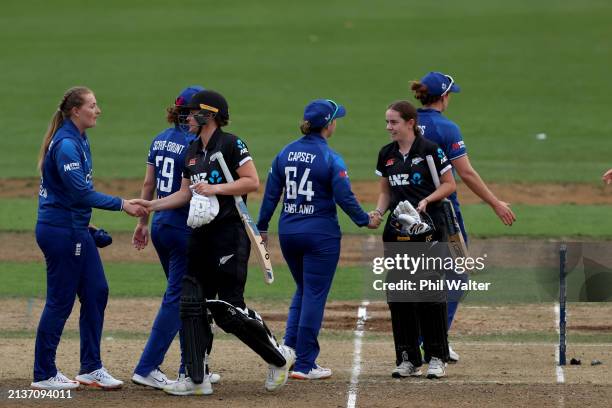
(169, 234)
(434, 92)
(314, 178)
(66, 199)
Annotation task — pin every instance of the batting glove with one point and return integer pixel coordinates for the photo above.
(202, 210)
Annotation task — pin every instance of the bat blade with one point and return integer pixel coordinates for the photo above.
(261, 252)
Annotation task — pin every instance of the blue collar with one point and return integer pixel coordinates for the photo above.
(315, 137)
(69, 126)
(429, 110)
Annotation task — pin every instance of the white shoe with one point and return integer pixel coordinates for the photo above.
(99, 378)
(59, 382)
(452, 356)
(437, 368)
(316, 373)
(156, 379)
(277, 376)
(184, 386)
(406, 369)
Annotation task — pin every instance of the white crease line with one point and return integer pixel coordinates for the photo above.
(356, 369)
(558, 368)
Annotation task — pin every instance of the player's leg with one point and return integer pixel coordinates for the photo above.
(454, 296)
(171, 246)
(292, 250)
(405, 326)
(319, 266)
(232, 248)
(93, 295)
(432, 320)
(62, 258)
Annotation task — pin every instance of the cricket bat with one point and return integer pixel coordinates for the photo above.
(263, 256)
(455, 238)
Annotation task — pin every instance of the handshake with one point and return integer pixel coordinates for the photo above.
(404, 213)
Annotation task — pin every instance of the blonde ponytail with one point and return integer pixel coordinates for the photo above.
(74, 97)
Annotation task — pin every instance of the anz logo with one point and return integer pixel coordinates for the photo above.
(399, 180)
(215, 177)
(416, 178)
(198, 178)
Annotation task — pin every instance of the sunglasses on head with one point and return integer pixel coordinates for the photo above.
(333, 116)
(452, 81)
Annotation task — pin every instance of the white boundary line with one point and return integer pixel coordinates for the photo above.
(356, 369)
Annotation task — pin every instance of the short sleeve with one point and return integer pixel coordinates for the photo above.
(239, 154)
(442, 163)
(380, 165)
(456, 146)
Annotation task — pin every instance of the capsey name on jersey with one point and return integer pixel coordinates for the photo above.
(301, 157)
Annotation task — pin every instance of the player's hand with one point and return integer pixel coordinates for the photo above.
(375, 219)
(503, 211)
(264, 238)
(134, 208)
(422, 205)
(140, 239)
(607, 177)
(206, 189)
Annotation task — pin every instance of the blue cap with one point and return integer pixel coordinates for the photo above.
(186, 95)
(321, 112)
(439, 84)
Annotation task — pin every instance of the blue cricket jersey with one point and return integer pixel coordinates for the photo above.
(167, 155)
(314, 179)
(66, 194)
(446, 134)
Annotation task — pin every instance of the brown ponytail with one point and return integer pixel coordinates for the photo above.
(306, 128)
(74, 97)
(422, 93)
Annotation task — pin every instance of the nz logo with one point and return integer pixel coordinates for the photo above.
(416, 178)
(242, 146)
(215, 177)
(441, 155)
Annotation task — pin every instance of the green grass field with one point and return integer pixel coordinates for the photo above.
(507, 285)
(525, 67)
(534, 221)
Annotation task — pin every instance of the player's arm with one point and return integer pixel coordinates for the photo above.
(175, 200)
(140, 238)
(472, 179)
(384, 196)
(70, 169)
(607, 177)
(271, 197)
(343, 195)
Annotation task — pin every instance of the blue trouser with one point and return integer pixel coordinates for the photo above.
(171, 245)
(73, 268)
(455, 296)
(312, 259)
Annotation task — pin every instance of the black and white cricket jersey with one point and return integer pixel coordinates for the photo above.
(199, 168)
(409, 176)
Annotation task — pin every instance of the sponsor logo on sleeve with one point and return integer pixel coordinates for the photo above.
(343, 173)
(72, 166)
(458, 145)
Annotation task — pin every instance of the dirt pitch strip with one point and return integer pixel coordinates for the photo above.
(490, 373)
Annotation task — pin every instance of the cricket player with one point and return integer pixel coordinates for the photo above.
(406, 183)
(434, 92)
(218, 249)
(170, 234)
(314, 178)
(66, 198)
